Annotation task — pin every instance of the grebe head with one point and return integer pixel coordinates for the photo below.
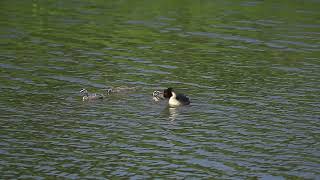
(167, 93)
(157, 95)
(109, 91)
(84, 91)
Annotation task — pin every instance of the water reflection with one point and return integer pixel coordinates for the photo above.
(176, 113)
(173, 113)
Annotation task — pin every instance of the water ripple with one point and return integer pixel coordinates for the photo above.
(252, 77)
(78, 80)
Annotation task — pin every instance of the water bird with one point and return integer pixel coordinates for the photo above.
(157, 96)
(87, 96)
(175, 99)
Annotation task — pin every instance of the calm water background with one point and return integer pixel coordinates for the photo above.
(251, 69)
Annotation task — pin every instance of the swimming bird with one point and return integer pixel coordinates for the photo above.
(87, 96)
(175, 99)
(157, 95)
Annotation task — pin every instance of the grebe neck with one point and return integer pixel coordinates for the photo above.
(174, 95)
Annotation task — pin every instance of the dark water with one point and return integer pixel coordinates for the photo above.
(250, 68)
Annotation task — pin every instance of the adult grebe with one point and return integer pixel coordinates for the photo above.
(175, 99)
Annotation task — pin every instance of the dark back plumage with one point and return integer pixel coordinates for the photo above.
(183, 99)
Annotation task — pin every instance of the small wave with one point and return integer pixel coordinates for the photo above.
(77, 80)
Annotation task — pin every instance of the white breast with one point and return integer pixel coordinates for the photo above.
(174, 102)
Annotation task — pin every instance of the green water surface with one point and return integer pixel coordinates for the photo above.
(250, 68)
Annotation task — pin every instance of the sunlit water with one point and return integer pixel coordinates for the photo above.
(250, 68)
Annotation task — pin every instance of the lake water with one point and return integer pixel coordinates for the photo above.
(250, 68)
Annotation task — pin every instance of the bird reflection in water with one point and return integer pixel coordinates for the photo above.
(173, 113)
